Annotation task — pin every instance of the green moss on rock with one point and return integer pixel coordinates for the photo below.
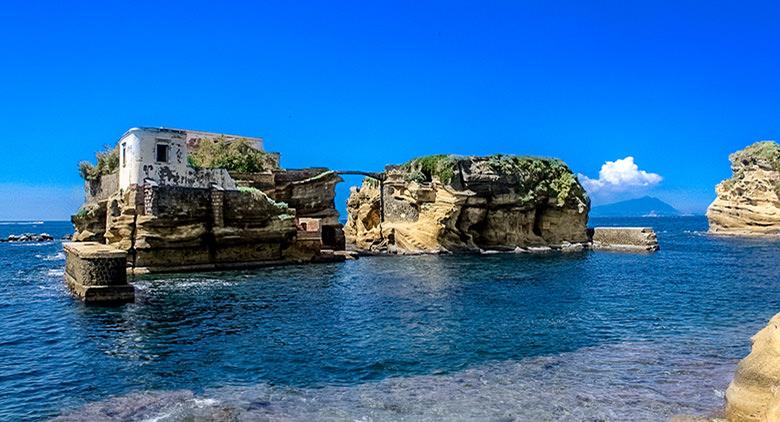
(764, 153)
(536, 179)
(422, 169)
(539, 178)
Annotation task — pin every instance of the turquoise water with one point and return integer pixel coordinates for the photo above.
(586, 336)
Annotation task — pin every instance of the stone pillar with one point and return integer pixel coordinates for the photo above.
(217, 206)
(97, 273)
(150, 199)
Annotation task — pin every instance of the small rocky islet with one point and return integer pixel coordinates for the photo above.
(748, 204)
(447, 203)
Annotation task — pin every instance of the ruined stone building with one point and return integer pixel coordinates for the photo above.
(180, 199)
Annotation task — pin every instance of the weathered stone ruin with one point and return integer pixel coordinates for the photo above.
(97, 273)
(749, 202)
(168, 214)
(450, 203)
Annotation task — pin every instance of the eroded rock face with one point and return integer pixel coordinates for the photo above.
(447, 203)
(90, 222)
(310, 191)
(754, 393)
(178, 228)
(749, 202)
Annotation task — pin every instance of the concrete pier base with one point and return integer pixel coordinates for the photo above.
(623, 239)
(97, 273)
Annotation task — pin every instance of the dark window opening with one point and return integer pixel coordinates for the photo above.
(124, 154)
(328, 236)
(162, 153)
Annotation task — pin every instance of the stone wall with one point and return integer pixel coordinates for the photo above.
(100, 189)
(624, 239)
(193, 228)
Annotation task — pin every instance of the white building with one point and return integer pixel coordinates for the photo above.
(159, 156)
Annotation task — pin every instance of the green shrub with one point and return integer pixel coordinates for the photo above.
(536, 179)
(237, 155)
(539, 178)
(371, 182)
(764, 151)
(424, 169)
(81, 213)
(107, 163)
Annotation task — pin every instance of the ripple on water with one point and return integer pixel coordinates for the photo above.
(539, 337)
(599, 383)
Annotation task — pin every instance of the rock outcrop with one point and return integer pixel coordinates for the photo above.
(754, 394)
(172, 228)
(28, 237)
(168, 228)
(749, 202)
(449, 203)
(310, 191)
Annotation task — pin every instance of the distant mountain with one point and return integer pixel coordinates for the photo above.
(641, 207)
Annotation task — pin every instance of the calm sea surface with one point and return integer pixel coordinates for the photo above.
(579, 337)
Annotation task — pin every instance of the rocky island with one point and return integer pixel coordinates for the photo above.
(178, 200)
(749, 202)
(173, 200)
(447, 203)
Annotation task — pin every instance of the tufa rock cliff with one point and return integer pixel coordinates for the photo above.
(173, 215)
(754, 393)
(447, 203)
(749, 202)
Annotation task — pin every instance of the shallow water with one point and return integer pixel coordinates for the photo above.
(586, 336)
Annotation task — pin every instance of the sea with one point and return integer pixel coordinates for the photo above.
(590, 336)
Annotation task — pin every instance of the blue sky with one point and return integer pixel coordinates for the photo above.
(675, 85)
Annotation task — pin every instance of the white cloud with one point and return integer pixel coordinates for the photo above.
(620, 175)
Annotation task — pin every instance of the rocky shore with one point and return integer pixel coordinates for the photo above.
(447, 203)
(748, 203)
(28, 237)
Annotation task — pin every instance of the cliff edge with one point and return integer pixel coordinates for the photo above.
(749, 202)
(447, 203)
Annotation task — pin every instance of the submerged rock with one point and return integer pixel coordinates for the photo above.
(749, 202)
(448, 203)
(754, 394)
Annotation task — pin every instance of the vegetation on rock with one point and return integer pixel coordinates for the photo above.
(261, 196)
(764, 154)
(239, 155)
(107, 163)
(537, 179)
(424, 169)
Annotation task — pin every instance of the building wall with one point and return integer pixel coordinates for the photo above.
(138, 161)
(137, 157)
